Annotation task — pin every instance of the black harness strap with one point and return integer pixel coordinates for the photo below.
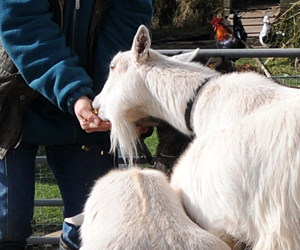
(189, 106)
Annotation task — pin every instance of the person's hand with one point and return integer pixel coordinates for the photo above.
(88, 120)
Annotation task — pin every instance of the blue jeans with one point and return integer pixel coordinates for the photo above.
(75, 171)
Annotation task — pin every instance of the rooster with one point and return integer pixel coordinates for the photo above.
(225, 38)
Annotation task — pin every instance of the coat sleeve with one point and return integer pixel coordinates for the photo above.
(38, 49)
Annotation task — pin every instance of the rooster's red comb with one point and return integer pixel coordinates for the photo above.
(217, 20)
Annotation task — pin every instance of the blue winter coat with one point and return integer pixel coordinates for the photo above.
(54, 62)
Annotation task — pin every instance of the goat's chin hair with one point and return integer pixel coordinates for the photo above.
(124, 134)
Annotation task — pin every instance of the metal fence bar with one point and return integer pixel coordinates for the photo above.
(43, 240)
(48, 203)
(237, 53)
(41, 160)
(286, 77)
(136, 159)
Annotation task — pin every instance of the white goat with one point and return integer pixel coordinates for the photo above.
(137, 209)
(243, 183)
(143, 83)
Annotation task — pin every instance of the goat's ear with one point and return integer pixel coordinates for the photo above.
(141, 43)
(187, 57)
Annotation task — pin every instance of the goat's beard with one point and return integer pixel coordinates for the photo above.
(126, 135)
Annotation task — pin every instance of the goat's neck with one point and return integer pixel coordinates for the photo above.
(172, 92)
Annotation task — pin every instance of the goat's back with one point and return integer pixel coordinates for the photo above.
(231, 97)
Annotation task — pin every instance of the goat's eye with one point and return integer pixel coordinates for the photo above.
(112, 66)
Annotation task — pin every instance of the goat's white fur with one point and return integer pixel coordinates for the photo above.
(231, 176)
(137, 209)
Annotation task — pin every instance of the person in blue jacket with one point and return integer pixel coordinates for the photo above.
(54, 59)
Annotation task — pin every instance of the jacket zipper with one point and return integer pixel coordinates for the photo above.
(77, 4)
(77, 7)
(61, 5)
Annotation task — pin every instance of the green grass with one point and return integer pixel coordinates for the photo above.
(151, 142)
(46, 219)
(283, 66)
(277, 66)
(283, 69)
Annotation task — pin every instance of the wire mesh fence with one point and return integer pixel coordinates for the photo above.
(47, 219)
(289, 81)
(42, 247)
